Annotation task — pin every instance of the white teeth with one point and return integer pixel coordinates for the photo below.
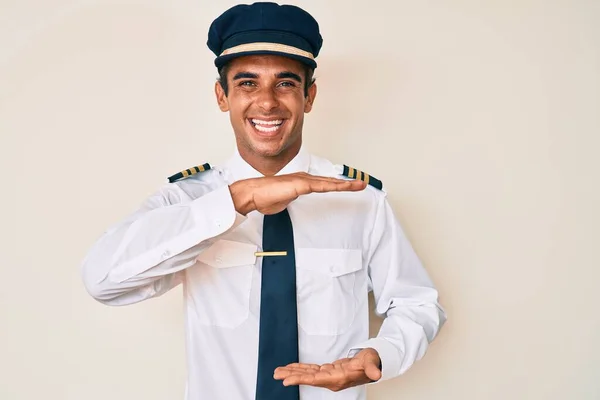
(261, 122)
(263, 129)
(267, 126)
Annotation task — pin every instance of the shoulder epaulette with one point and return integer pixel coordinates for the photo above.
(354, 173)
(189, 172)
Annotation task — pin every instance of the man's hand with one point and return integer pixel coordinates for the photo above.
(342, 374)
(272, 194)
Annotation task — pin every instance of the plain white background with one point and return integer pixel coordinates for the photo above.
(481, 118)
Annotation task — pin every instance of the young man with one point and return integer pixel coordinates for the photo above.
(276, 249)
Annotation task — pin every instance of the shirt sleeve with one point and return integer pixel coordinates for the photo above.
(141, 256)
(404, 295)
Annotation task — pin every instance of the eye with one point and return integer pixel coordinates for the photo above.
(247, 83)
(287, 84)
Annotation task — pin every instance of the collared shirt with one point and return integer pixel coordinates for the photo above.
(347, 244)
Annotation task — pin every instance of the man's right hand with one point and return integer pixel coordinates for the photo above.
(272, 194)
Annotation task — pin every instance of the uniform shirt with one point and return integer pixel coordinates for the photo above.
(347, 244)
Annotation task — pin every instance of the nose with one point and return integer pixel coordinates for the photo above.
(267, 99)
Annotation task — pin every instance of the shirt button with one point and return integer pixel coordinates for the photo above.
(218, 223)
(165, 254)
(331, 268)
(218, 260)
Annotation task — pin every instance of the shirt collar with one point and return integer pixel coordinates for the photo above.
(240, 169)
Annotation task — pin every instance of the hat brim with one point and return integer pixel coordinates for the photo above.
(222, 60)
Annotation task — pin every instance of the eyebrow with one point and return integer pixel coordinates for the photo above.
(289, 75)
(245, 75)
(280, 75)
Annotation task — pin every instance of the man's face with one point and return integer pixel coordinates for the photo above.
(266, 103)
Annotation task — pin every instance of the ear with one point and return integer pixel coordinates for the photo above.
(221, 97)
(312, 93)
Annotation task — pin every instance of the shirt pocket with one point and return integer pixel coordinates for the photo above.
(220, 283)
(327, 283)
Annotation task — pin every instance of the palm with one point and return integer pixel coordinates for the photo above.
(339, 375)
(344, 369)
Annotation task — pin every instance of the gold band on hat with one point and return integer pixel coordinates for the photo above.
(266, 46)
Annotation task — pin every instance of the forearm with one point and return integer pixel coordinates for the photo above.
(404, 294)
(405, 335)
(153, 244)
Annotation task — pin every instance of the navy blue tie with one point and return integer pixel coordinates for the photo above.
(278, 332)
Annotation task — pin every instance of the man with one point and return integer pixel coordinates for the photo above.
(277, 249)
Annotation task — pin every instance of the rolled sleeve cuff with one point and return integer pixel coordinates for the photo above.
(388, 354)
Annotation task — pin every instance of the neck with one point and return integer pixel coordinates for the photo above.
(269, 166)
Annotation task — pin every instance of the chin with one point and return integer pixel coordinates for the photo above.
(267, 151)
(263, 147)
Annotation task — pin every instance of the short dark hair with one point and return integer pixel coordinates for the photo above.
(308, 78)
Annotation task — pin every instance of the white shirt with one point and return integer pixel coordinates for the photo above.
(347, 244)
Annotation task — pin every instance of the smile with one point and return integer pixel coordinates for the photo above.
(266, 126)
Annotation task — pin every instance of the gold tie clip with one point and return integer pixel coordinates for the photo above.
(270, 253)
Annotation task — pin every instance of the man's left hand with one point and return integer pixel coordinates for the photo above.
(341, 374)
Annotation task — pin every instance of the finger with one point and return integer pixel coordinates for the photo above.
(324, 186)
(353, 185)
(305, 175)
(295, 369)
(300, 379)
(320, 379)
(285, 372)
(311, 184)
(372, 371)
(332, 180)
(327, 178)
(320, 178)
(282, 373)
(302, 365)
